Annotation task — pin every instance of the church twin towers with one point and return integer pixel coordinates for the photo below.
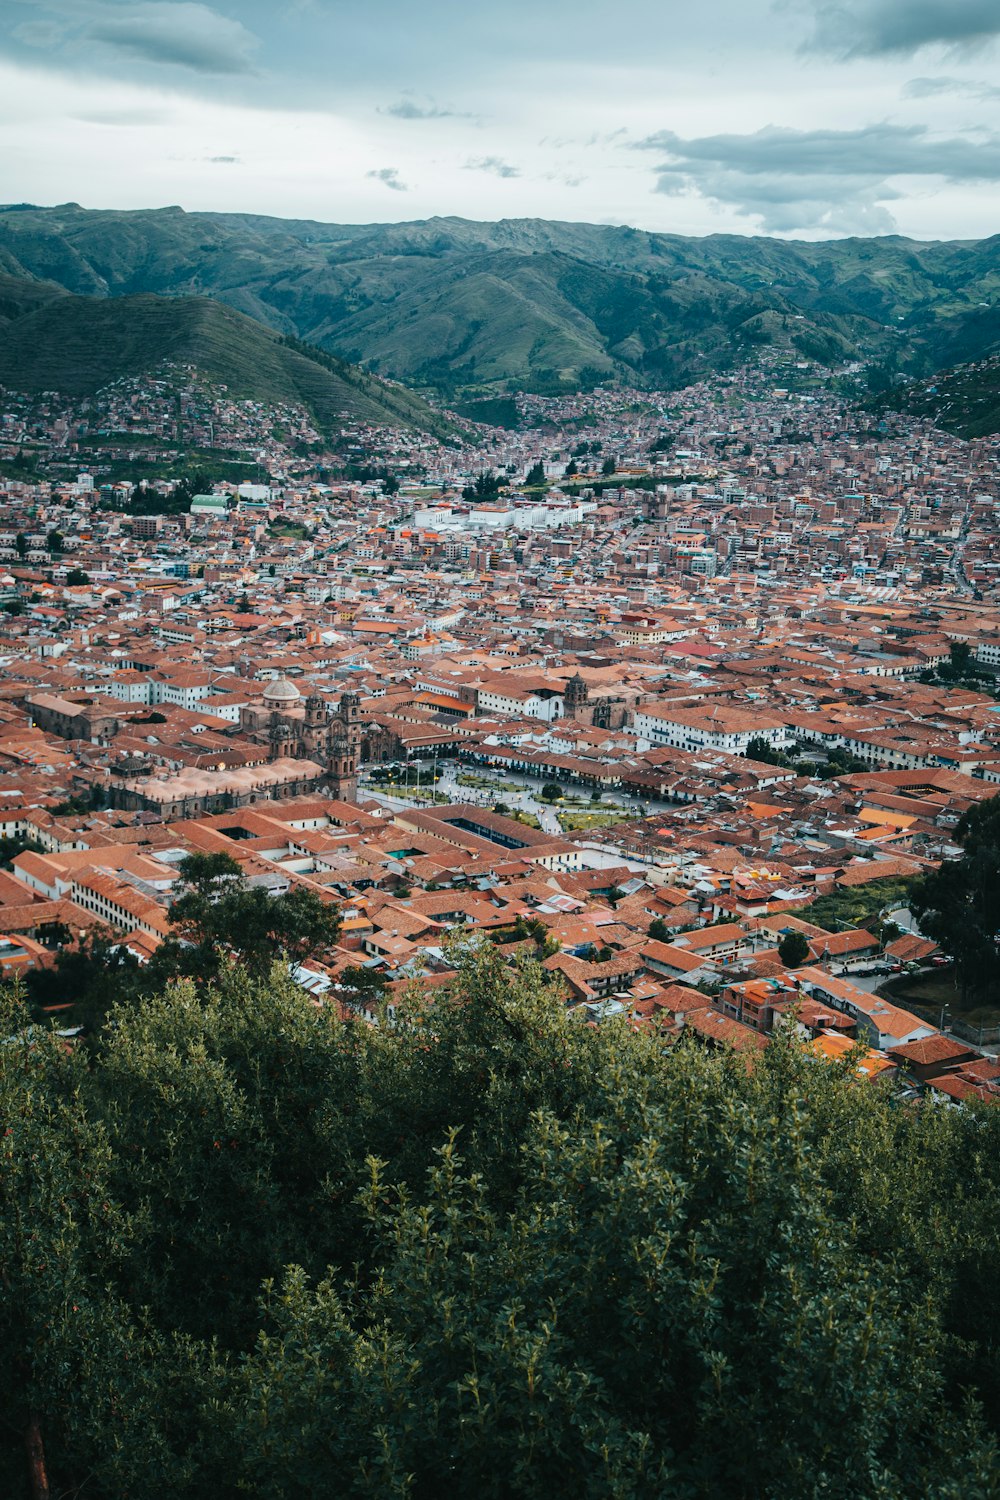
(306, 729)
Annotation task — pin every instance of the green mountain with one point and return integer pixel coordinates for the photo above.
(529, 303)
(965, 400)
(53, 340)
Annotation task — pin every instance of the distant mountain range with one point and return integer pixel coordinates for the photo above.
(51, 340)
(478, 309)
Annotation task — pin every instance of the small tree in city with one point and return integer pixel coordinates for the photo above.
(793, 950)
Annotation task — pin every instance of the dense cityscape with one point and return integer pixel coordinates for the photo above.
(651, 675)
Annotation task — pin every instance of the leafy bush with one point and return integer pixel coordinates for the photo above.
(250, 1250)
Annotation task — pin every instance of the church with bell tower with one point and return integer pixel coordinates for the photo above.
(297, 728)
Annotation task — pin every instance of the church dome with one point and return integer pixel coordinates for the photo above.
(281, 694)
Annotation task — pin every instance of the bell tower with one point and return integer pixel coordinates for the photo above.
(575, 696)
(345, 747)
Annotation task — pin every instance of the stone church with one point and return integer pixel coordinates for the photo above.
(603, 712)
(298, 728)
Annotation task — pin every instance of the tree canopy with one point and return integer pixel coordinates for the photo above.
(484, 488)
(793, 949)
(250, 1249)
(959, 903)
(218, 918)
(761, 750)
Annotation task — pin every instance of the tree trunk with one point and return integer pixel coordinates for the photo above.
(37, 1476)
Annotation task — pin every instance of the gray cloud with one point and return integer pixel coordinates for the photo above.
(182, 34)
(390, 177)
(224, 160)
(880, 28)
(494, 164)
(837, 180)
(39, 33)
(175, 33)
(408, 109)
(929, 88)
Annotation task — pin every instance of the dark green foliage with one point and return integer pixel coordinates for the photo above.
(249, 1250)
(484, 489)
(959, 903)
(496, 411)
(659, 931)
(81, 802)
(218, 920)
(145, 501)
(535, 477)
(361, 986)
(964, 400)
(76, 578)
(551, 791)
(531, 930)
(840, 762)
(762, 751)
(856, 905)
(92, 976)
(793, 950)
(221, 914)
(11, 847)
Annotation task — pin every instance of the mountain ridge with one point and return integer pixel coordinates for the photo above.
(484, 308)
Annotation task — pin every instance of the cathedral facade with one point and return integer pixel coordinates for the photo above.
(297, 728)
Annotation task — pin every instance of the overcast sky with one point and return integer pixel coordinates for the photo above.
(810, 118)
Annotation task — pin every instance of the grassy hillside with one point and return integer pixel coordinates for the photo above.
(529, 303)
(965, 400)
(53, 341)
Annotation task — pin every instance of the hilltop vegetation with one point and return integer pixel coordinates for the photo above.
(964, 400)
(55, 341)
(249, 1249)
(532, 304)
